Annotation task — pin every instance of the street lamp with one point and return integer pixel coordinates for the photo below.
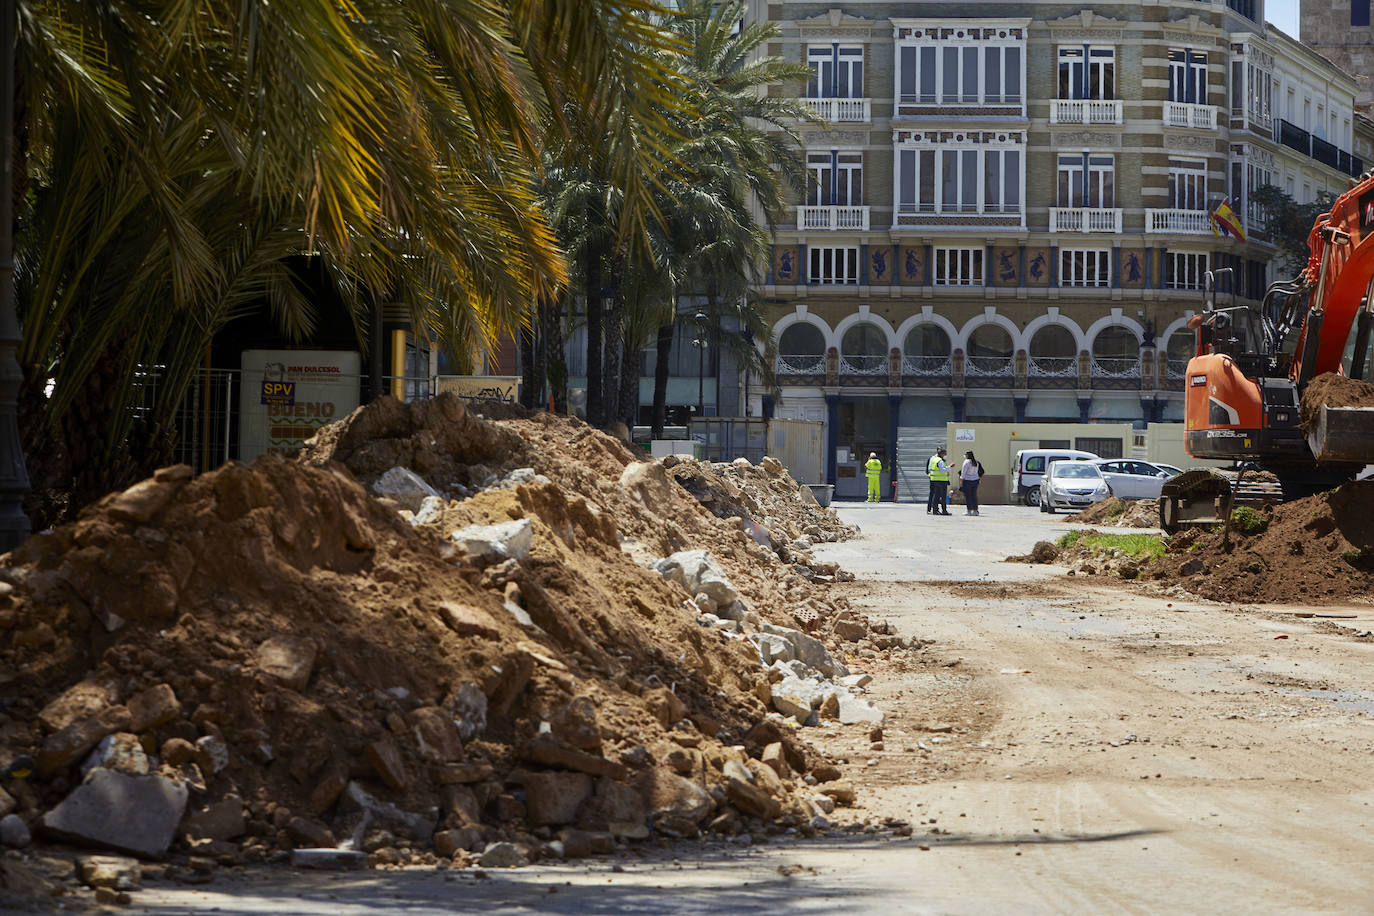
(700, 343)
(14, 478)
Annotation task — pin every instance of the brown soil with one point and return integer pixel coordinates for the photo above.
(1316, 550)
(1332, 390)
(179, 582)
(1119, 513)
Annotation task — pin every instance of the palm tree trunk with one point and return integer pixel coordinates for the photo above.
(529, 394)
(555, 355)
(596, 395)
(664, 348)
(631, 360)
(614, 332)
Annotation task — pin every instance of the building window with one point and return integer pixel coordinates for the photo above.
(1085, 267)
(833, 265)
(959, 75)
(1087, 180)
(959, 181)
(1359, 13)
(834, 179)
(1185, 269)
(837, 72)
(1245, 7)
(958, 267)
(1087, 73)
(1187, 184)
(1260, 95)
(1187, 76)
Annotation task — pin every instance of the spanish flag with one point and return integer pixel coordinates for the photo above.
(1226, 220)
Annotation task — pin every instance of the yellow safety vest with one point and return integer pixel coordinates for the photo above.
(874, 467)
(933, 469)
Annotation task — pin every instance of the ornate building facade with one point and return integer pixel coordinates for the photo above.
(1007, 208)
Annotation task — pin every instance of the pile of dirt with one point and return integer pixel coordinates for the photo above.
(1318, 550)
(1332, 390)
(302, 663)
(1119, 513)
(780, 512)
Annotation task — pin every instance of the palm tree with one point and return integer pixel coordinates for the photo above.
(176, 152)
(739, 150)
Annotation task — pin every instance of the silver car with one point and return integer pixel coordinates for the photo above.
(1129, 478)
(1072, 485)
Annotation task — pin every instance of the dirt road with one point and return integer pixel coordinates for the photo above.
(1069, 746)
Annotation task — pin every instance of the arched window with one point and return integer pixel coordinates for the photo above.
(801, 350)
(863, 351)
(1182, 347)
(1116, 353)
(990, 351)
(926, 350)
(1053, 353)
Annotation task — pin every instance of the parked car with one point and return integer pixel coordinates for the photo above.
(1169, 469)
(1030, 469)
(1072, 484)
(1132, 479)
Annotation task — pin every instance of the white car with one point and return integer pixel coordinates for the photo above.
(1072, 485)
(1169, 469)
(1132, 479)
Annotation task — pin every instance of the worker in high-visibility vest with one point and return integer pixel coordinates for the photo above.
(938, 501)
(874, 469)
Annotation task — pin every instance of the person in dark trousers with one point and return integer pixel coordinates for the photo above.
(969, 474)
(938, 501)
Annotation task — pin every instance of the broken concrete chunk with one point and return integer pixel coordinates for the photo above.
(553, 798)
(466, 620)
(120, 751)
(133, 814)
(669, 795)
(772, 648)
(78, 702)
(212, 754)
(436, 734)
(751, 799)
(503, 855)
(109, 871)
(808, 649)
(77, 739)
(494, 543)
(468, 706)
(854, 710)
(384, 755)
(648, 482)
(153, 707)
(367, 810)
(406, 487)
(289, 659)
(144, 500)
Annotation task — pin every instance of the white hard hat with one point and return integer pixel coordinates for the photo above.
(873, 454)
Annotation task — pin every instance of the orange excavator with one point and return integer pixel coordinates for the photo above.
(1244, 385)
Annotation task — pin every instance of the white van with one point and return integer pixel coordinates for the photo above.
(1030, 469)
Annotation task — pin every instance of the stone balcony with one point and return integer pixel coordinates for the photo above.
(1085, 111)
(809, 217)
(1188, 114)
(1085, 219)
(1178, 222)
(842, 111)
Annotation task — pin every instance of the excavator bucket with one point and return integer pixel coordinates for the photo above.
(1343, 434)
(1197, 497)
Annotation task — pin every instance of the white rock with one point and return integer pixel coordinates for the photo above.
(469, 709)
(825, 803)
(405, 486)
(854, 710)
(809, 649)
(733, 768)
(856, 681)
(503, 855)
(431, 507)
(772, 648)
(797, 698)
(493, 543)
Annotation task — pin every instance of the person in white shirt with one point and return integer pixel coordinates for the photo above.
(969, 475)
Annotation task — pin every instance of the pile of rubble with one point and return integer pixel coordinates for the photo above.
(780, 512)
(523, 643)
